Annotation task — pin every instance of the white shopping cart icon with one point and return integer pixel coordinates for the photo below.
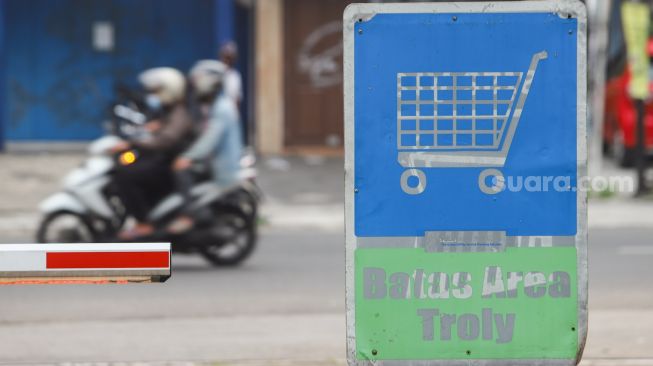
(450, 119)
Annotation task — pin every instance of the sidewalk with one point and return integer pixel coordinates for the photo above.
(314, 362)
(252, 340)
(325, 210)
(299, 192)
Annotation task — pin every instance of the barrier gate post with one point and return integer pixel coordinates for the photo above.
(84, 263)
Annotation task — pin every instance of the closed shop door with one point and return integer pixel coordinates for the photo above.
(65, 56)
(313, 72)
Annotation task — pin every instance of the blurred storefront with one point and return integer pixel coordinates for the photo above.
(299, 102)
(62, 59)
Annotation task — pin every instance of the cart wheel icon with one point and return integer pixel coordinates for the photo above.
(498, 183)
(421, 181)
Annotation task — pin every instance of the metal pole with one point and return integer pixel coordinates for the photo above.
(642, 187)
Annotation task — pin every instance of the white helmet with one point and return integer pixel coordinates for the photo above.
(206, 76)
(168, 84)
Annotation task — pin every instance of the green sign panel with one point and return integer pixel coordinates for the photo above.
(416, 305)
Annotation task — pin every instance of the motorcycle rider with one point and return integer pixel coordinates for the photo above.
(232, 80)
(221, 140)
(149, 178)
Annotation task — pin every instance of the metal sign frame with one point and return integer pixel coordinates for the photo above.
(355, 13)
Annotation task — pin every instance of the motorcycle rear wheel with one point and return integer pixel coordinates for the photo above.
(240, 236)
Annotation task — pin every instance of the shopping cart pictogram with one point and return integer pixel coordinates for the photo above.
(459, 119)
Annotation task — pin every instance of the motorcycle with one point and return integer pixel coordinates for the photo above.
(89, 209)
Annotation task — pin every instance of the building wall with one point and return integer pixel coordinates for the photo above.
(299, 89)
(313, 72)
(269, 76)
(59, 85)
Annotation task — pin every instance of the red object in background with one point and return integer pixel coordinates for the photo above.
(620, 119)
(85, 260)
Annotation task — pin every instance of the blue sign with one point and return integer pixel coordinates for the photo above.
(465, 122)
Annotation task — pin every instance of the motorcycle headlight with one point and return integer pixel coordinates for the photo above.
(127, 158)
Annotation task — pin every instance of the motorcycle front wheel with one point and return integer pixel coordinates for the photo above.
(235, 239)
(65, 227)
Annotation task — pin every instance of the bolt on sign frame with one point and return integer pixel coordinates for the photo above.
(93, 263)
(466, 221)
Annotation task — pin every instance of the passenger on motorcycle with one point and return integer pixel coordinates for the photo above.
(221, 139)
(142, 184)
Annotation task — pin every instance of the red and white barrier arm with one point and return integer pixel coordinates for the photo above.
(84, 263)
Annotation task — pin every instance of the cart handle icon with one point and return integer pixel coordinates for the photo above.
(453, 132)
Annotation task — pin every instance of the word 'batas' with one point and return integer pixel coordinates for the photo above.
(422, 284)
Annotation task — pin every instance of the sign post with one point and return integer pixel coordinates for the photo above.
(466, 158)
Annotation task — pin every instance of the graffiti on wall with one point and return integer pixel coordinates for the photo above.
(320, 56)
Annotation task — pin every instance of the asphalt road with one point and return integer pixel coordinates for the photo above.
(285, 305)
(286, 302)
